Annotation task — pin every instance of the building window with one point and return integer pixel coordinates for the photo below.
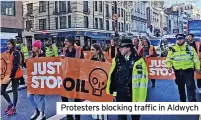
(126, 27)
(28, 24)
(56, 6)
(119, 11)
(86, 22)
(69, 7)
(56, 23)
(122, 27)
(112, 10)
(62, 6)
(62, 22)
(42, 24)
(113, 25)
(119, 26)
(101, 23)
(96, 6)
(96, 23)
(107, 10)
(122, 12)
(69, 21)
(107, 25)
(8, 8)
(30, 8)
(100, 6)
(42, 6)
(85, 6)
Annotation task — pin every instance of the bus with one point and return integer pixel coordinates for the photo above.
(194, 27)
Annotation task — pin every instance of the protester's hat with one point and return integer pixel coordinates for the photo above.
(70, 39)
(126, 43)
(37, 44)
(180, 36)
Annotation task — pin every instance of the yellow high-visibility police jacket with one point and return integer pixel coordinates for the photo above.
(182, 58)
(24, 50)
(51, 51)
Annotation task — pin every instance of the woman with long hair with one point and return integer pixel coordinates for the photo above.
(149, 51)
(97, 53)
(16, 73)
(37, 52)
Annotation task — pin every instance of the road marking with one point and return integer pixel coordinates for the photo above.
(56, 117)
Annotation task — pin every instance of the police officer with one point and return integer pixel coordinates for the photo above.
(51, 49)
(127, 74)
(23, 47)
(184, 61)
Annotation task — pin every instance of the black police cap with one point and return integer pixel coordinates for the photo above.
(180, 36)
(126, 43)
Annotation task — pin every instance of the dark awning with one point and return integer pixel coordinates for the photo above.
(99, 37)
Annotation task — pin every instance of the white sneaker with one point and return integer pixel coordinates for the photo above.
(35, 115)
(199, 90)
(41, 116)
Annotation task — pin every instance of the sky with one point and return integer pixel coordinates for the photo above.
(196, 2)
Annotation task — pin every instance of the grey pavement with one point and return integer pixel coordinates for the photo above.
(165, 91)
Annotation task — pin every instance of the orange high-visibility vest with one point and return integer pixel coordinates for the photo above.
(78, 51)
(140, 48)
(152, 51)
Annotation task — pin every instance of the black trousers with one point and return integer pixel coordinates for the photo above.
(70, 117)
(199, 83)
(186, 77)
(153, 81)
(22, 80)
(15, 84)
(122, 96)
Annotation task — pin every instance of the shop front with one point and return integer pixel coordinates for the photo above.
(81, 37)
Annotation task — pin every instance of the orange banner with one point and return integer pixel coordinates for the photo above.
(5, 68)
(70, 77)
(80, 78)
(157, 69)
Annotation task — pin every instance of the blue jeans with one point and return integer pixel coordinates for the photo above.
(31, 99)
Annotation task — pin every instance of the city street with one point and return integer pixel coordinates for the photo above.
(69, 47)
(165, 91)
